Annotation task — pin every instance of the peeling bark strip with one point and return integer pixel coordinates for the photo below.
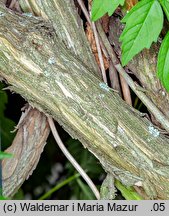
(37, 64)
(26, 150)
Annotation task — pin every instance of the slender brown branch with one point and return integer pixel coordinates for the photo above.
(125, 90)
(12, 3)
(99, 53)
(114, 77)
(114, 80)
(92, 24)
(83, 7)
(148, 103)
(100, 56)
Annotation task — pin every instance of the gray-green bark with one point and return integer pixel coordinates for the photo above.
(40, 67)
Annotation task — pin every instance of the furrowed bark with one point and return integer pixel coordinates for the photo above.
(27, 146)
(26, 149)
(38, 65)
(67, 24)
(78, 45)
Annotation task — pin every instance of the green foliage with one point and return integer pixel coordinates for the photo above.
(100, 7)
(163, 62)
(144, 23)
(66, 182)
(19, 195)
(2, 198)
(4, 155)
(84, 191)
(89, 163)
(84, 158)
(6, 125)
(165, 5)
(128, 192)
(58, 186)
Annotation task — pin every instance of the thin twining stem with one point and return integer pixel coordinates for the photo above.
(71, 159)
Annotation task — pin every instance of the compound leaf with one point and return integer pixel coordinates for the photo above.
(100, 7)
(144, 23)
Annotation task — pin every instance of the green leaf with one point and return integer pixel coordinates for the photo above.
(163, 62)
(4, 155)
(127, 192)
(85, 192)
(6, 125)
(84, 158)
(144, 23)
(58, 186)
(3, 198)
(165, 5)
(100, 7)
